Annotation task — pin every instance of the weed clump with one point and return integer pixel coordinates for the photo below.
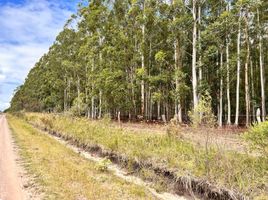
(257, 136)
(47, 121)
(19, 114)
(203, 115)
(103, 165)
(173, 129)
(106, 120)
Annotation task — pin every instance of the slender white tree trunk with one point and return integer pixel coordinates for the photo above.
(194, 78)
(221, 89)
(78, 95)
(92, 107)
(228, 73)
(247, 98)
(143, 64)
(261, 72)
(177, 55)
(238, 70)
(92, 94)
(252, 90)
(66, 96)
(100, 104)
(199, 44)
(228, 82)
(178, 63)
(158, 110)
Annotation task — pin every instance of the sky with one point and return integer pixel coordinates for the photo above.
(27, 30)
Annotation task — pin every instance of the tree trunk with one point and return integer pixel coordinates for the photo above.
(100, 104)
(143, 63)
(228, 82)
(177, 58)
(78, 95)
(199, 44)
(65, 96)
(252, 90)
(158, 110)
(92, 93)
(238, 70)
(119, 117)
(228, 72)
(221, 89)
(194, 79)
(262, 73)
(92, 107)
(178, 65)
(247, 100)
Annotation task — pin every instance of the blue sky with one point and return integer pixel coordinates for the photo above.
(27, 29)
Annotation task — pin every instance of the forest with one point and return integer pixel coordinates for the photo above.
(155, 60)
(144, 99)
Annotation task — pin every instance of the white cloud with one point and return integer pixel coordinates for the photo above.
(27, 31)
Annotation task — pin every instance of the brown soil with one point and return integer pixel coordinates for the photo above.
(15, 183)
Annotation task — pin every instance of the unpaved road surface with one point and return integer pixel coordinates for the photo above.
(11, 187)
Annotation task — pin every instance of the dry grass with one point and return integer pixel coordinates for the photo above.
(64, 174)
(238, 172)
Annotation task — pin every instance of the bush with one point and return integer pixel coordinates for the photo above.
(106, 120)
(203, 114)
(173, 129)
(79, 107)
(257, 136)
(47, 121)
(103, 165)
(19, 114)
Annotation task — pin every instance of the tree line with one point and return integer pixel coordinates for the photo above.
(151, 58)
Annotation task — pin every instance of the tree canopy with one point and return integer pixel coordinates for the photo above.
(151, 58)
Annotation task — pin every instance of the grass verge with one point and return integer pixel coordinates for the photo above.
(232, 170)
(63, 174)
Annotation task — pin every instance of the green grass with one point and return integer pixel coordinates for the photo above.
(63, 174)
(233, 170)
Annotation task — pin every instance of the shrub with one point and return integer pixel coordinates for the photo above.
(203, 114)
(47, 122)
(173, 129)
(79, 107)
(19, 114)
(106, 120)
(103, 165)
(257, 136)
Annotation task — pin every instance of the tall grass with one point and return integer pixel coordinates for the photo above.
(230, 169)
(65, 175)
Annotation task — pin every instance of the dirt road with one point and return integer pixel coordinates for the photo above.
(10, 181)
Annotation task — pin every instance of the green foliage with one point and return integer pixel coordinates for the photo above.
(156, 97)
(106, 120)
(103, 165)
(108, 50)
(160, 56)
(203, 114)
(257, 136)
(140, 73)
(79, 106)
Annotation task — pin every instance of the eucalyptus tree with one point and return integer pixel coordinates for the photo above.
(144, 58)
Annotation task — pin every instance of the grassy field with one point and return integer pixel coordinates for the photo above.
(63, 174)
(233, 170)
